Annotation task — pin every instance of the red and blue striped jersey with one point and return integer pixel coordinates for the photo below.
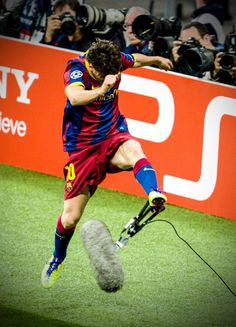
(94, 122)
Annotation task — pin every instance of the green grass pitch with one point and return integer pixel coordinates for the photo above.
(166, 284)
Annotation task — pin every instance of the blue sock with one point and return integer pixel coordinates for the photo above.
(62, 240)
(145, 175)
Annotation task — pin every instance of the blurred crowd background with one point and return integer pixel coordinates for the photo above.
(162, 8)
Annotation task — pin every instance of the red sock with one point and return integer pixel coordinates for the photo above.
(61, 228)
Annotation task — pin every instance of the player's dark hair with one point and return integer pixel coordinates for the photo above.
(105, 57)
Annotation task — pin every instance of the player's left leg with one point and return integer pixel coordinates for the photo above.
(130, 154)
(66, 223)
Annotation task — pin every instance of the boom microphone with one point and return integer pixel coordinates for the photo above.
(103, 257)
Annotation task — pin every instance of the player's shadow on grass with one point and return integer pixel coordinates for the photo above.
(15, 318)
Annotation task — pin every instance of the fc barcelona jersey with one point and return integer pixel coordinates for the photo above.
(94, 122)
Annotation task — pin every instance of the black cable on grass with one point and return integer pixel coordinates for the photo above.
(166, 221)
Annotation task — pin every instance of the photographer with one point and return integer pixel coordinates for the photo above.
(10, 17)
(63, 30)
(135, 45)
(195, 36)
(225, 63)
(154, 36)
(102, 23)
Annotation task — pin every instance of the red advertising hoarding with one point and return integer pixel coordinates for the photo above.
(187, 126)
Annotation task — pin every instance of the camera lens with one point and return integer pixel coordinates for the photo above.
(68, 26)
(190, 61)
(98, 19)
(144, 28)
(195, 61)
(147, 27)
(227, 61)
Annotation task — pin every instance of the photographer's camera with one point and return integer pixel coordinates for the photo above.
(161, 31)
(100, 20)
(68, 23)
(195, 59)
(228, 60)
(148, 28)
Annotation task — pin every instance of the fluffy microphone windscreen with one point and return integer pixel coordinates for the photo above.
(103, 256)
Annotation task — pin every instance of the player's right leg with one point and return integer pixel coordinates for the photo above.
(73, 210)
(130, 153)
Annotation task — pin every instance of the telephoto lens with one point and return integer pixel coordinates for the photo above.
(148, 27)
(99, 20)
(68, 25)
(228, 61)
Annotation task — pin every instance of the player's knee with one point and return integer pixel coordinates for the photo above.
(71, 217)
(133, 152)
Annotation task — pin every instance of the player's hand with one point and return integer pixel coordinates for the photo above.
(109, 82)
(165, 63)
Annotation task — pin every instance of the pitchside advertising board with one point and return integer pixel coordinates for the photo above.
(187, 126)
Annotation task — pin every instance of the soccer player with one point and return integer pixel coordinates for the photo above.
(96, 137)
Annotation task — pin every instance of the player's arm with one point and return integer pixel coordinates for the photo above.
(143, 60)
(78, 96)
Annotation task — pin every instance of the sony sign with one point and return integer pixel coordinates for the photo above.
(7, 124)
